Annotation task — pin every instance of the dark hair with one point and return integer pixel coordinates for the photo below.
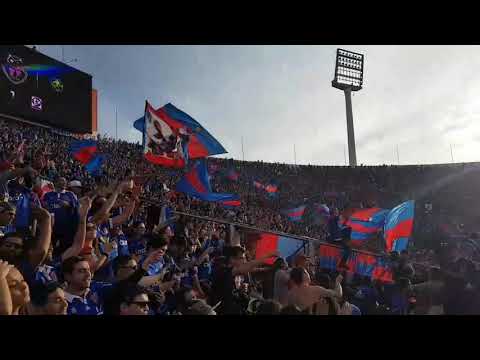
(39, 292)
(129, 293)
(156, 242)
(296, 275)
(121, 260)
(181, 300)
(269, 307)
(69, 264)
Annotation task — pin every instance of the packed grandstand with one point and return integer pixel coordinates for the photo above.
(124, 241)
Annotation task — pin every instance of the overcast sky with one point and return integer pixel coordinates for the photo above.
(421, 98)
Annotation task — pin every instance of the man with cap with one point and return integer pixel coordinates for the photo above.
(75, 186)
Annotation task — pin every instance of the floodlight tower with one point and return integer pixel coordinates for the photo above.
(349, 77)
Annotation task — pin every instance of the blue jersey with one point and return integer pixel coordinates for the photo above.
(137, 247)
(91, 304)
(122, 245)
(65, 218)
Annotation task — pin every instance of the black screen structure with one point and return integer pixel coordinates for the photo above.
(37, 88)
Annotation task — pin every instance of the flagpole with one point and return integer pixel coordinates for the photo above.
(344, 155)
(243, 153)
(398, 156)
(294, 154)
(451, 152)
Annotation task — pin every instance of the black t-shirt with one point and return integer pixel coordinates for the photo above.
(223, 286)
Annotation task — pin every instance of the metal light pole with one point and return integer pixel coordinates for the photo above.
(294, 154)
(349, 77)
(116, 123)
(243, 153)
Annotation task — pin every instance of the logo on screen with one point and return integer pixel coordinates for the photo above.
(14, 70)
(37, 103)
(56, 85)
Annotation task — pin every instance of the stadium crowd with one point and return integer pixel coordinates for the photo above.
(112, 245)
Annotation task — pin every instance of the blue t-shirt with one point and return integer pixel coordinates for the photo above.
(92, 303)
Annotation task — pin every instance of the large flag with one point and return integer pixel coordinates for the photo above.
(399, 226)
(171, 137)
(286, 246)
(196, 183)
(85, 151)
(360, 263)
(365, 224)
(295, 214)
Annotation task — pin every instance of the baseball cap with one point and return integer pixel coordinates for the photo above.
(75, 183)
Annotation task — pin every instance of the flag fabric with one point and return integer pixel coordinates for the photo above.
(230, 204)
(196, 183)
(171, 136)
(163, 144)
(399, 226)
(364, 264)
(365, 224)
(83, 150)
(286, 246)
(94, 167)
(295, 214)
(44, 187)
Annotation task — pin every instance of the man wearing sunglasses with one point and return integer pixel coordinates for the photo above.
(134, 301)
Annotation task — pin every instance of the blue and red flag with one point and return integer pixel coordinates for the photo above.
(295, 214)
(365, 224)
(171, 137)
(196, 183)
(363, 264)
(85, 151)
(399, 226)
(286, 246)
(231, 204)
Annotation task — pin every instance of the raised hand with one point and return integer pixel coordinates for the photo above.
(4, 269)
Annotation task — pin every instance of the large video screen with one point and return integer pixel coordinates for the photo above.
(37, 88)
